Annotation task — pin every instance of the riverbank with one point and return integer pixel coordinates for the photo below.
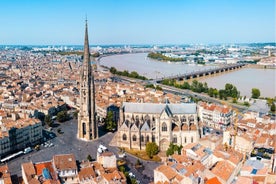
(244, 79)
(256, 66)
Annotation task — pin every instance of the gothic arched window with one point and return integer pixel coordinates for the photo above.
(174, 139)
(134, 138)
(164, 127)
(124, 137)
(147, 138)
(153, 138)
(142, 138)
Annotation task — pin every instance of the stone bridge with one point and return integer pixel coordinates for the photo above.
(201, 73)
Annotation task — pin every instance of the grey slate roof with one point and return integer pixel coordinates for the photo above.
(153, 108)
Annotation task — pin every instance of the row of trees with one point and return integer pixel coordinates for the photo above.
(161, 57)
(62, 116)
(229, 91)
(157, 87)
(132, 74)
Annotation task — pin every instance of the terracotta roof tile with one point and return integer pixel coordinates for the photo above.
(213, 181)
(64, 162)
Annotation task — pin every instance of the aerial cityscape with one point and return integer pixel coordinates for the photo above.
(137, 92)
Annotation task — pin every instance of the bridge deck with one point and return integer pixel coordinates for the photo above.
(199, 73)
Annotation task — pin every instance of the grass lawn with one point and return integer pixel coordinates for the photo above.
(142, 155)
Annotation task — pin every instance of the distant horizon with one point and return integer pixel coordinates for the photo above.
(144, 44)
(155, 22)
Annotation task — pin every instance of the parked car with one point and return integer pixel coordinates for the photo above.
(27, 150)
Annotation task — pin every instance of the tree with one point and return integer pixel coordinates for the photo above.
(109, 121)
(122, 168)
(158, 88)
(211, 92)
(138, 163)
(52, 111)
(48, 120)
(255, 93)
(231, 91)
(62, 116)
(222, 94)
(134, 74)
(246, 104)
(75, 114)
(125, 73)
(39, 115)
(272, 108)
(186, 85)
(173, 148)
(113, 70)
(215, 93)
(151, 149)
(89, 158)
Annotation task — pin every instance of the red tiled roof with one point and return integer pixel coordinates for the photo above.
(213, 181)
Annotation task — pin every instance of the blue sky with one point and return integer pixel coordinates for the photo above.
(137, 21)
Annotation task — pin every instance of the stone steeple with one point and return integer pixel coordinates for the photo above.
(87, 126)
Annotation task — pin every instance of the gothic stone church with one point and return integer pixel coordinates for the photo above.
(160, 123)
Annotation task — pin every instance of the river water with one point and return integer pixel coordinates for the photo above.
(244, 79)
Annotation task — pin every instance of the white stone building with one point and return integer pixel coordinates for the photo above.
(160, 123)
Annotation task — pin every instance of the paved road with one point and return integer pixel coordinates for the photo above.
(181, 92)
(202, 96)
(67, 143)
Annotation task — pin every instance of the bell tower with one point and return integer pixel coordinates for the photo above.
(87, 126)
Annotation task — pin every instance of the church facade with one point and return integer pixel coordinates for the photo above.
(160, 123)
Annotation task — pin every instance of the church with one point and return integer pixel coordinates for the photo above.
(160, 123)
(87, 125)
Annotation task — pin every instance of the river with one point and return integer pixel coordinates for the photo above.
(244, 79)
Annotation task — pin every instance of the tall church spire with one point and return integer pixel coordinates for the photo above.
(87, 126)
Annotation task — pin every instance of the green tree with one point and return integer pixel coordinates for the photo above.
(222, 94)
(246, 104)
(125, 73)
(151, 149)
(138, 162)
(149, 86)
(62, 116)
(186, 85)
(216, 93)
(205, 87)
(109, 121)
(89, 158)
(272, 108)
(113, 70)
(158, 88)
(134, 74)
(255, 93)
(211, 92)
(231, 91)
(48, 120)
(75, 114)
(173, 148)
(122, 168)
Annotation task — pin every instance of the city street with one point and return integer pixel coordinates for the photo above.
(67, 142)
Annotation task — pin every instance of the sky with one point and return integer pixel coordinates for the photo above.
(62, 22)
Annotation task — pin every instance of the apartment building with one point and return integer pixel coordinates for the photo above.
(18, 134)
(216, 116)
